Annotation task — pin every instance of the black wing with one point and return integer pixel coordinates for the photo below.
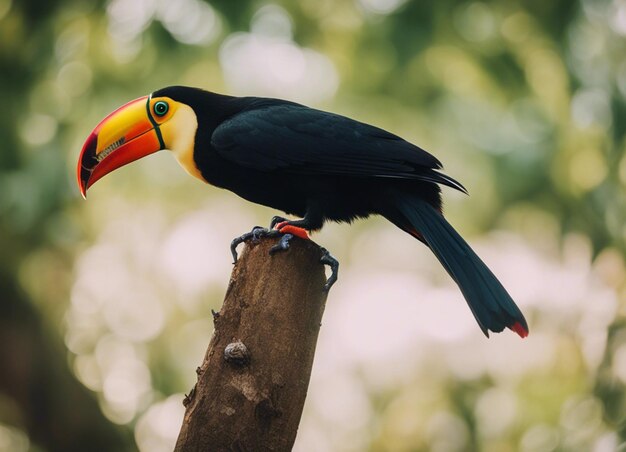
(301, 140)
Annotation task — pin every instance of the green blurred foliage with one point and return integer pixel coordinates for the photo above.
(523, 102)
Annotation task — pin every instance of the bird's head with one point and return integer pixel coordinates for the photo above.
(137, 129)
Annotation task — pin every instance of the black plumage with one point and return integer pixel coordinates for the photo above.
(323, 166)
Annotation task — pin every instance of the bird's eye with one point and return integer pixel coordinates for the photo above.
(160, 108)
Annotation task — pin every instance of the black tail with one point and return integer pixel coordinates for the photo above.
(489, 301)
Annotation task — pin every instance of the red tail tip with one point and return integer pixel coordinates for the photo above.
(519, 329)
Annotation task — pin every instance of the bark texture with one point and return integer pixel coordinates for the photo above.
(253, 381)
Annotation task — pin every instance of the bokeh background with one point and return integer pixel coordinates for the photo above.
(105, 305)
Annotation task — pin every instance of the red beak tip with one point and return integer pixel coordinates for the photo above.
(82, 187)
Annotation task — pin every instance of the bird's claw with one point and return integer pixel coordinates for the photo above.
(275, 220)
(282, 245)
(255, 235)
(328, 259)
(258, 232)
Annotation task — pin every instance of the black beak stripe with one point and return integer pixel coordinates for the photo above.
(157, 129)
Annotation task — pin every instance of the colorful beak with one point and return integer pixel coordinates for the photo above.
(124, 136)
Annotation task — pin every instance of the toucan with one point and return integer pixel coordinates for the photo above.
(305, 162)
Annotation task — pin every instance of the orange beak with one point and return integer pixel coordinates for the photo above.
(126, 135)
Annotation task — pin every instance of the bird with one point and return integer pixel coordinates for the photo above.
(309, 163)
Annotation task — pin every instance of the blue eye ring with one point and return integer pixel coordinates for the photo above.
(161, 108)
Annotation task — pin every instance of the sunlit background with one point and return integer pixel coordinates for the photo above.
(105, 305)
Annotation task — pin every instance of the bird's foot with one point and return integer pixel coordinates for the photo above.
(290, 232)
(255, 235)
(328, 259)
(283, 243)
(286, 234)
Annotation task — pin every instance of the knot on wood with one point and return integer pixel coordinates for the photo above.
(237, 353)
(189, 397)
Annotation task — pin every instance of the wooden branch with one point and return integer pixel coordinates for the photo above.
(253, 381)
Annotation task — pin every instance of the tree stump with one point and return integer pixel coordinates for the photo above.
(253, 381)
